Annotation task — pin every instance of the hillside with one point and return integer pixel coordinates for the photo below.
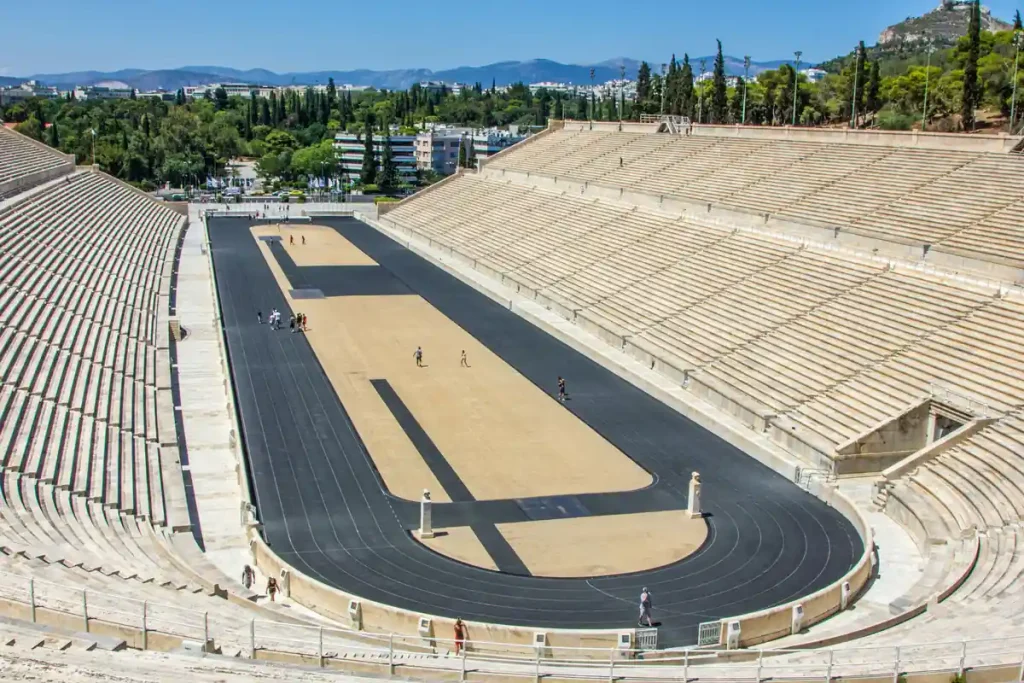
(939, 28)
(501, 73)
(908, 41)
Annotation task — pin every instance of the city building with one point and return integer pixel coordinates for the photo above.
(437, 147)
(25, 91)
(350, 148)
(163, 95)
(232, 89)
(103, 92)
(488, 142)
(814, 75)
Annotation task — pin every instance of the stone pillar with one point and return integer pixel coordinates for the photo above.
(693, 508)
(426, 526)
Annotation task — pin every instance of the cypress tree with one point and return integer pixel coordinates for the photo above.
(368, 176)
(332, 93)
(54, 136)
(736, 103)
(971, 90)
(719, 102)
(1017, 26)
(643, 85)
(872, 102)
(389, 170)
(264, 112)
(672, 87)
(686, 87)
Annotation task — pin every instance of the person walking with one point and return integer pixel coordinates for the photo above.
(291, 239)
(259, 317)
(561, 389)
(271, 588)
(462, 360)
(248, 576)
(460, 636)
(291, 323)
(418, 356)
(303, 239)
(645, 608)
(303, 322)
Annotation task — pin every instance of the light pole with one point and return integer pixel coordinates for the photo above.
(700, 95)
(796, 82)
(622, 91)
(1016, 60)
(927, 74)
(664, 86)
(856, 74)
(746, 80)
(593, 101)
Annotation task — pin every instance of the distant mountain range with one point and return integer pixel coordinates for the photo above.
(502, 73)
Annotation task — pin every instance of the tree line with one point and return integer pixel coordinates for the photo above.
(149, 141)
(974, 77)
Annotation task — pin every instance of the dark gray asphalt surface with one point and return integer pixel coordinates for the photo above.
(325, 509)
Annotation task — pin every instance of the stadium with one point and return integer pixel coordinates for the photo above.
(791, 415)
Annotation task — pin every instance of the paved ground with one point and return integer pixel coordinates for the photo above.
(326, 510)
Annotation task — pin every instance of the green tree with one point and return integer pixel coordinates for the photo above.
(643, 87)
(686, 99)
(1017, 25)
(861, 66)
(971, 92)
(736, 103)
(368, 175)
(332, 93)
(54, 136)
(389, 169)
(719, 101)
(871, 101)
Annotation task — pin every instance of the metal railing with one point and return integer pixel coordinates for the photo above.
(413, 655)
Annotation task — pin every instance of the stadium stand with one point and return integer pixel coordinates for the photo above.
(916, 196)
(815, 344)
(25, 163)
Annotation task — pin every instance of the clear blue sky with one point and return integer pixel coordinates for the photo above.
(75, 35)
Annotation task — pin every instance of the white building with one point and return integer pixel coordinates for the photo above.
(350, 147)
(25, 91)
(103, 92)
(814, 75)
(232, 89)
(437, 148)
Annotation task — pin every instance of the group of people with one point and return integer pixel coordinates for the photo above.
(249, 578)
(296, 321)
(418, 356)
